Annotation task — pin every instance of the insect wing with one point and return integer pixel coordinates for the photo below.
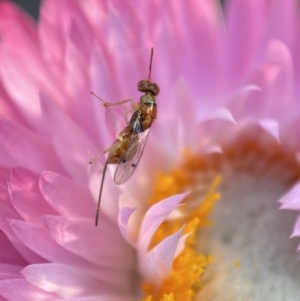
(131, 158)
(115, 119)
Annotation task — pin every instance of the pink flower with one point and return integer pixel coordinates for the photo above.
(228, 107)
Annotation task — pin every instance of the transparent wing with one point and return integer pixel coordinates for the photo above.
(131, 158)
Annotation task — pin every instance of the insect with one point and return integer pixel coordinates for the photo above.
(128, 149)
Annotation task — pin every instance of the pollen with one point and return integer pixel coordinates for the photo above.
(184, 280)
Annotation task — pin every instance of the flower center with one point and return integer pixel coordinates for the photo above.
(184, 279)
(253, 255)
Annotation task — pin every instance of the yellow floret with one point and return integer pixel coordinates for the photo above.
(185, 277)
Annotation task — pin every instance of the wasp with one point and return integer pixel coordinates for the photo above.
(127, 150)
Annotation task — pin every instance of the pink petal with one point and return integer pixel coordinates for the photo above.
(36, 152)
(8, 108)
(283, 86)
(69, 140)
(10, 256)
(37, 239)
(69, 281)
(271, 127)
(10, 269)
(7, 276)
(296, 231)
(20, 75)
(123, 218)
(4, 195)
(282, 21)
(68, 197)
(291, 200)
(156, 265)
(155, 216)
(66, 232)
(109, 205)
(26, 196)
(51, 37)
(22, 290)
(199, 23)
(25, 252)
(275, 79)
(63, 280)
(220, 114)
(185, 112)
(77, 83)
(81, 33)
(181, 244)
(245, 23)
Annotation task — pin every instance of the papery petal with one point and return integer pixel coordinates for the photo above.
(156, 264)
(37, 239)
(26, 196)
(155, 216)
(123, 218)
(245, 20)
(291, 200)
(109, 205)
(10, 255)
(23, 76)
(67, 196)
(24, 251)
(36, 152)
(63, 280)
(51, 37)
(271, 126)
(296, 231)
(220, 114)
(68, 281)
(22, 290)
(66, 232)
(65, 137)
(282, 20)
(187, 113)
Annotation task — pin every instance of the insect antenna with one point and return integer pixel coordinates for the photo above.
(98, 97)
(150, 65)
(100, 194)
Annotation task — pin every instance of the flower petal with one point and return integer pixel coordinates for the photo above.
(63, 280)
(26, 196)
(291, 200)
(37, 239)
(296, 231)
(22, 290)
(25, 252)
(271, 127)
(155, 216)
(68, 139)
(123, 218)
(245, 21)
(156, 264)
(66, 232)
(68, 281)
(67, 196)
(36, 152)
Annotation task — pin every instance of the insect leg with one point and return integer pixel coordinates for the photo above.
(95, 158)
(100, 194)
(108, 104)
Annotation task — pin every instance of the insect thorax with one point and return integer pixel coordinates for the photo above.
(148, 98)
